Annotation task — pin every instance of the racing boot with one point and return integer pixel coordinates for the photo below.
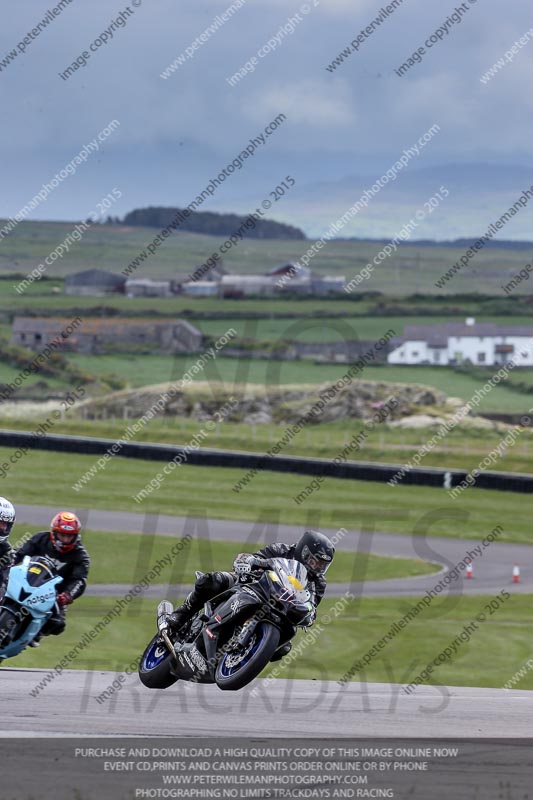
(36, 641)
(191, 605)
(281, 651)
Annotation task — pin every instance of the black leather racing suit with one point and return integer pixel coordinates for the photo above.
(210, 584)
(72, 566)
(6, 558)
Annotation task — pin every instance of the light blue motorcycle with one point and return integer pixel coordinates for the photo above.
(28, 603)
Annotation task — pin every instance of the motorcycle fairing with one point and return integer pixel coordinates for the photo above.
(191, 664)
(234, 608)
(37, 600)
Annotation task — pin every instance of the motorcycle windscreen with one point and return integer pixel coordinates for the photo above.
(38, 573)
(293, 576)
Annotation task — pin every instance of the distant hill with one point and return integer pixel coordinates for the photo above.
(210, 223)
(414, 267)
(461, 244)
(478, 195)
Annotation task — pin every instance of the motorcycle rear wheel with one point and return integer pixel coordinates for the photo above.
(232, 675)
(155, 666)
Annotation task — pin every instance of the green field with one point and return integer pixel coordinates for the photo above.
(497, 650)
(139, 370)
(146, 370)
(199, 492)
(461, 449)
(267, 321)
(48, 297)
(334, 329)
(502, 644)
(127, 558)
(113, 247)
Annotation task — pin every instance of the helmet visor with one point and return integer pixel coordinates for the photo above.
(65, 538)
(317, 565)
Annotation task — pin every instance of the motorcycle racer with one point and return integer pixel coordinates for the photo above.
(7, 520)
(62, 544)
(314, 550)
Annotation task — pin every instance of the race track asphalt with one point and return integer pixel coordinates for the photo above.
(68, 707)
(492, 570)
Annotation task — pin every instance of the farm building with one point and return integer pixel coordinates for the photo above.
(146, 287)
(95, 282)
(247, 285)
(484, 344)
(200, 289)
(327, 284)
(99, 336)
(301, 280)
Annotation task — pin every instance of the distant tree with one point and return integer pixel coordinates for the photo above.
(211, 223)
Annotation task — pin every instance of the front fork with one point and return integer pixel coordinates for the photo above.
(164, 610)
(237, 605)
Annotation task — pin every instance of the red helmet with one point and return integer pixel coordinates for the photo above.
(64, 531)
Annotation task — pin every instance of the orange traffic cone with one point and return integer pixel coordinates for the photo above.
(516, 574)
(469, 571)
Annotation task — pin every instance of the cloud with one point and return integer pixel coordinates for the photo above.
(311, 103)
(175, 133)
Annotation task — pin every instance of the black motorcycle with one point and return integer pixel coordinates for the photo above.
(235, 637)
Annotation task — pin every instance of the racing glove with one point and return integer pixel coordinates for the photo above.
(245, 563)
(64, 599)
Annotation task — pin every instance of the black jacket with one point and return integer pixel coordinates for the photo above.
(280, 550)
(6, 558)
(72, 566)
(6, 553)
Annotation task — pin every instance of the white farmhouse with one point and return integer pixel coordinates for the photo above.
(480, 343)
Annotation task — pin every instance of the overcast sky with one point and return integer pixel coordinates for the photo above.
(176, 134)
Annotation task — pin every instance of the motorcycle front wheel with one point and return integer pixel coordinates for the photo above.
(238, 668)
(155, 666)
(9, 624)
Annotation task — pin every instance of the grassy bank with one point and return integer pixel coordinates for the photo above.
(112, 247)
(461, 449)
(146, 370)
(496, 651)
(200, 492)
(128, 558)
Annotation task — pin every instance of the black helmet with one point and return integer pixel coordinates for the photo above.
(315, 551)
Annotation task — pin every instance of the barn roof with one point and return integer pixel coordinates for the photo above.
(95, 277)
(54, 325)
(438, 335)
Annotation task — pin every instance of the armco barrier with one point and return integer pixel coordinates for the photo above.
(351, 470)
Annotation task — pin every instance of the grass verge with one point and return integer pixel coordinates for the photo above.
(491, 658)
(460, 449)
(128, 557)
(204, 492)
